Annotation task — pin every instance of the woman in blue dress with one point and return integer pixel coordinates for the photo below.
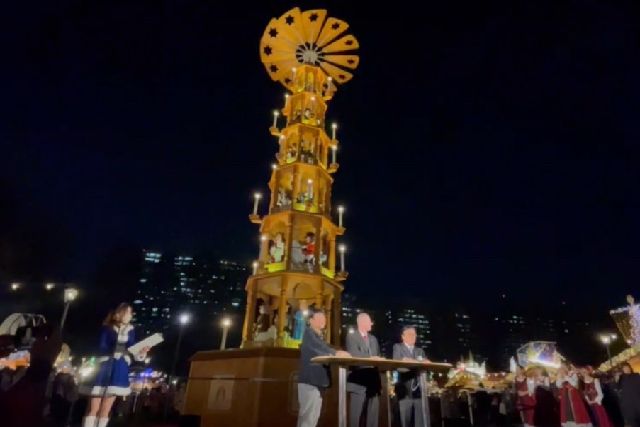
(112, 380)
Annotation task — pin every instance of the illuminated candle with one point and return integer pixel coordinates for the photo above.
(276, 114)
(334, 157)
(334, 126)
(293, 75)
(274, 166)
(313, 102)
(256, 200)
(340, 213)
(310, 188)
(342, 249)
(255, 267)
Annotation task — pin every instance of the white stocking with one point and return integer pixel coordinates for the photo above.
(89, 421)
(102, 422)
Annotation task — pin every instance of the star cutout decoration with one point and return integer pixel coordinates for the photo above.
(349, 42)
(289, 20)
(350, 61)
(341, 76)
(273, 68)
(335, 26)
(267, 50)
(313, 17)
(273, 32)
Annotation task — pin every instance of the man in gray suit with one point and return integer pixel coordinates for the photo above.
(408, 387)
(363, 383)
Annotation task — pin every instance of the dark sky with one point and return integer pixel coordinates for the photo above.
(487, 147)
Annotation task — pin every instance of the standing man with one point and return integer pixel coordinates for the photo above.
(408, 386)
(363, 383)
(313, 379)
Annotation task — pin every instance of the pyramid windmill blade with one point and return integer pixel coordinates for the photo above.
(290, 26)
(337, 74)
(343, 44)
(332, 29)
(349, 61)
(313, 20)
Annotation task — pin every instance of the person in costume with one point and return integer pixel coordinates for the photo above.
(525, 400)
(593, 394)
(573, 410)
(112, 380)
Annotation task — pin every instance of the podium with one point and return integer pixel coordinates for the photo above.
(343, 363)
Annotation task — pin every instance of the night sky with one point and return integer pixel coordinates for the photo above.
(486, 147)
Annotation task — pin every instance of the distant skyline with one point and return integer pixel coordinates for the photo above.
(485, 148)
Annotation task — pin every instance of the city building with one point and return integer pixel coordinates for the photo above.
(169, 285)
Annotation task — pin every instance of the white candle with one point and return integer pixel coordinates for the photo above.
(334, 150)
(340, 213)
(256, 200)
(313, 103)
(310, 188)
(293, 76)
(255, 267)
(275, 117)
(334, 126)
(342, 249)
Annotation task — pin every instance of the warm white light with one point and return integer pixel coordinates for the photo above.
(184, 318)
(342, 248)
(70, 294)
(49, 286)
(309, 181)
(226, 322)
(263, 238)
(147, 360)
(334, 125)
(274, 166)
(305, 312)
(257, 196)
(276, 113)
(340, 209)
(351, 330)
(15, 286)
(313, 98)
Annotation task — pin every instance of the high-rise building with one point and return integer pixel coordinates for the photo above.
(171, 284)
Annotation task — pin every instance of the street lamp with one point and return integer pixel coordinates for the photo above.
(226, 324)
(70, 294)
(607, 339)
(183, 320)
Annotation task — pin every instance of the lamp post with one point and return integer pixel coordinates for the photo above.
(226, 324)
(607, 339)
(70, 294)
(183, 320)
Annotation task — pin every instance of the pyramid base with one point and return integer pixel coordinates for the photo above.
(254, 387)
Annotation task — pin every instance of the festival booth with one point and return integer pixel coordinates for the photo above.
(627, 320)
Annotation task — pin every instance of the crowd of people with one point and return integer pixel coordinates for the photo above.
(578, 397)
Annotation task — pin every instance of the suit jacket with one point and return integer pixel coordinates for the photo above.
(408, 384)
(363, 379)
(311, 373)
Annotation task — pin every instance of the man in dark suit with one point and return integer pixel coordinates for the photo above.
(313, 379)
(363, 383)
(408, 387)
